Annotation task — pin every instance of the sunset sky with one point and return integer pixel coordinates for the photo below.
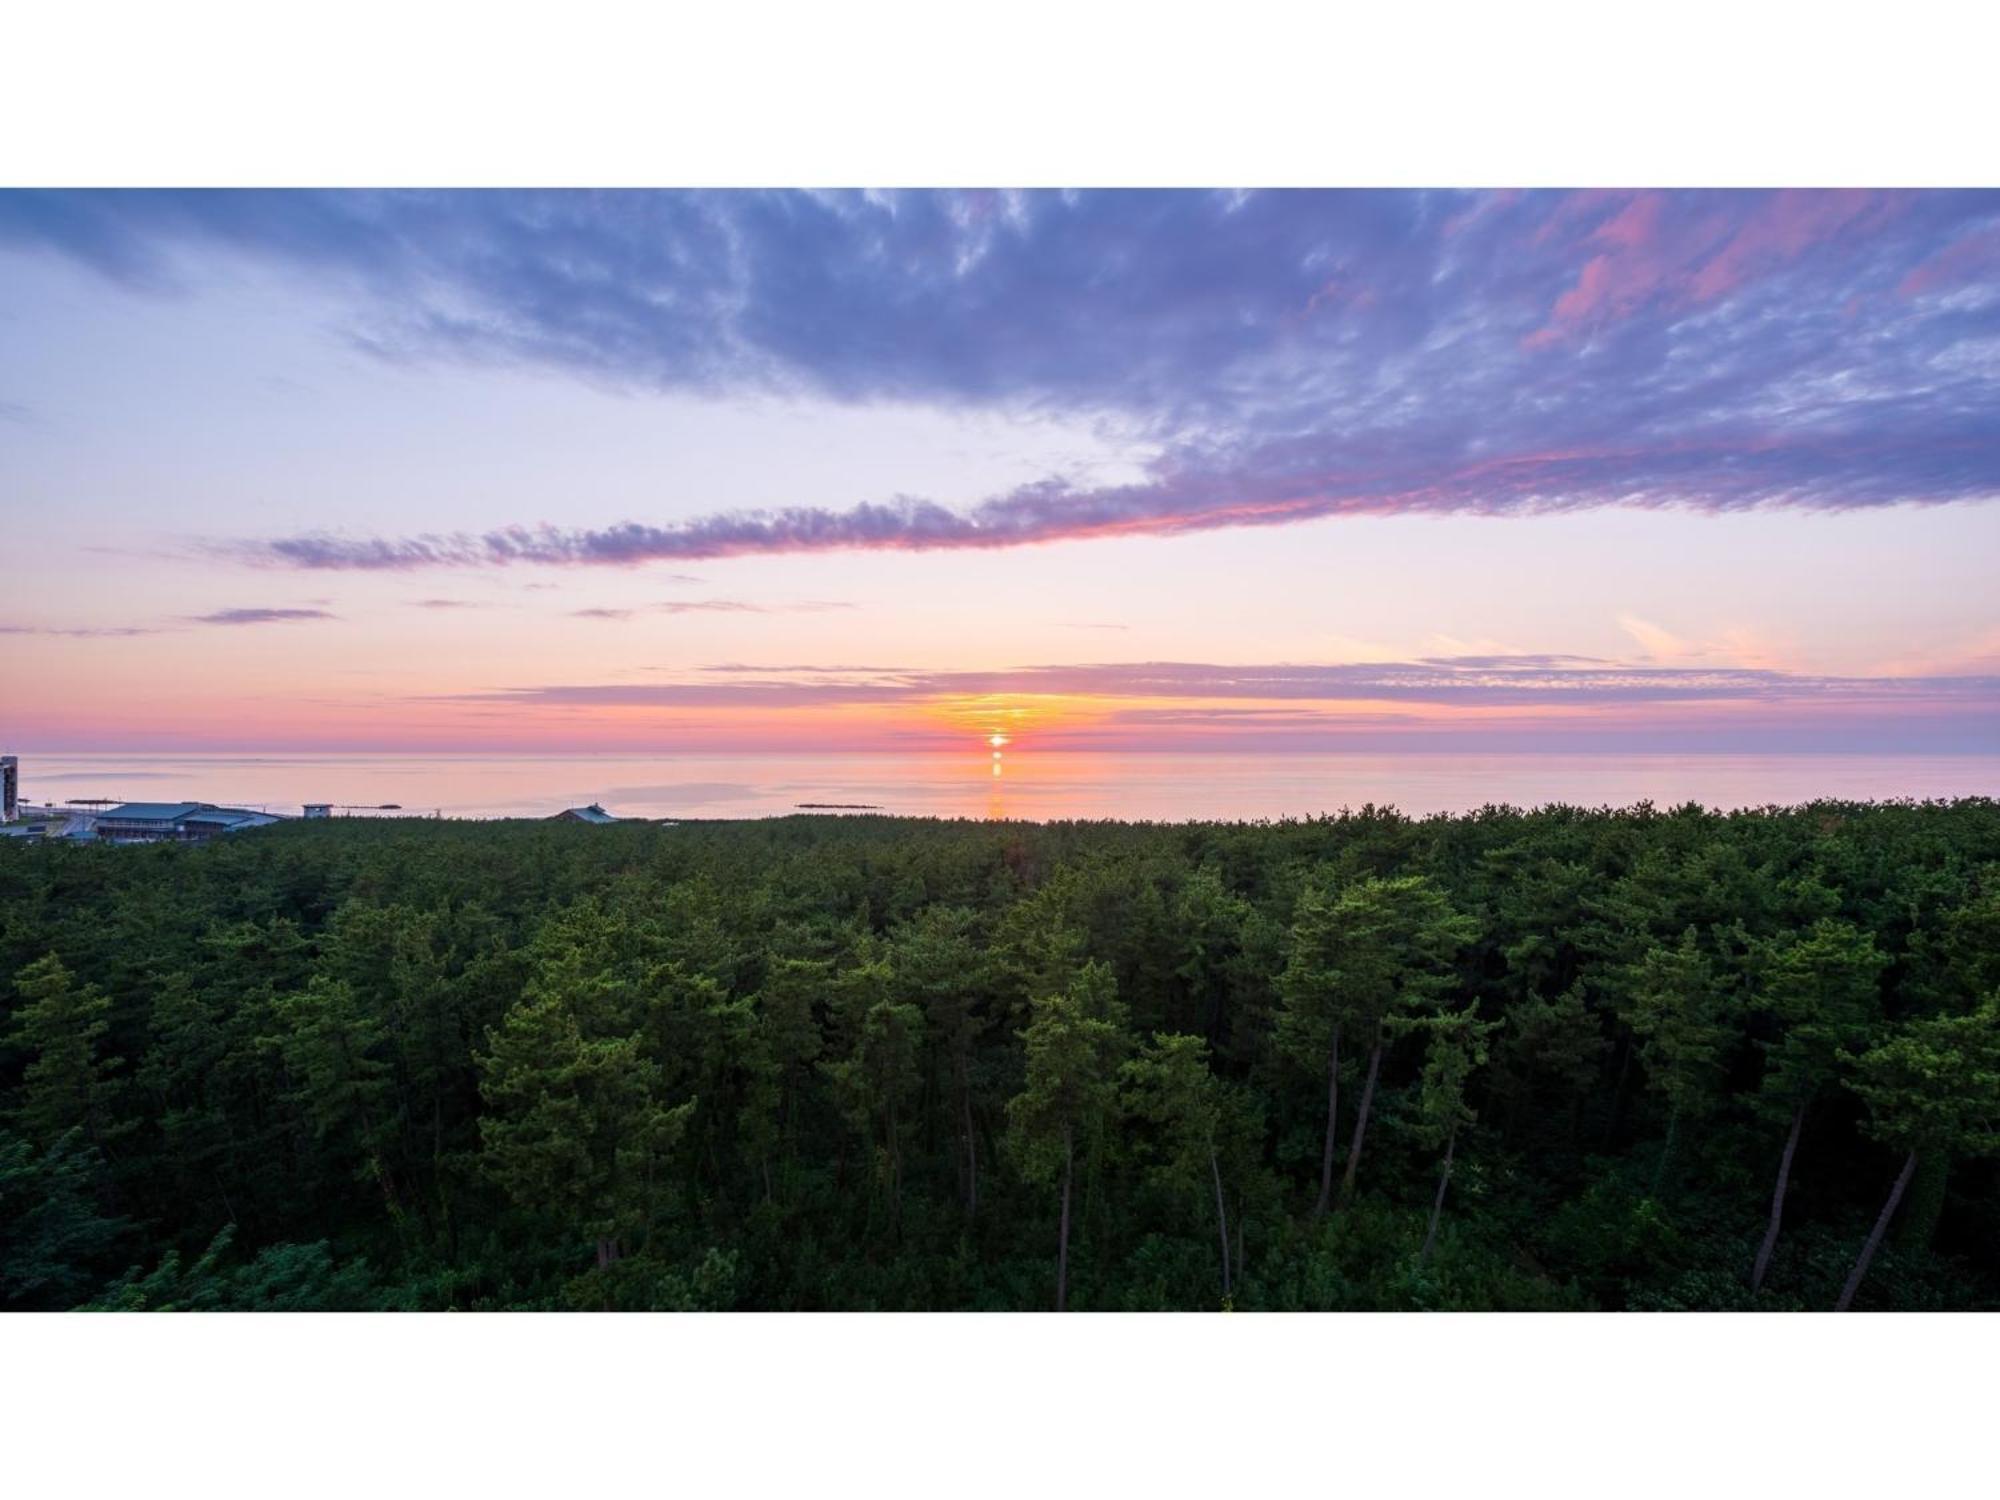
(1384, 470)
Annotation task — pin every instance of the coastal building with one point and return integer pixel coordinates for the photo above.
(74, 823)
(28, 821)
(175, 822)
(590, 814)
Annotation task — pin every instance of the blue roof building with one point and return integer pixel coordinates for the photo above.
(590, 814)
(174, 822)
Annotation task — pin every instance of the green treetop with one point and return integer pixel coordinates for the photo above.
(1361, 955)
(576, 1129)
(1074, 1042)
(1454, 1048)
(1933, 1085)
(68, 1083)
(1823, 988)
(1684, 1010)
(1171, 1087)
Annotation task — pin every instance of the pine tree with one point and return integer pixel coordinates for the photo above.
(787, 1011)
(1074, 1043)
(876, 1083)
(1822, 987)
(1362, 956)
(1170, 1086)
(332, 1049)
(1209, 922)
(68, 1083)
(1683, 1011)
(576, 1129)
(1546, 1043)
(1933, 1085)
(1454, 1047)
(941, 968)
(52, 1228)
(1310, 1010)
(182, 1076)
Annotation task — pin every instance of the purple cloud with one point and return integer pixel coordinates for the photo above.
(1284, 356)
(80, 632)
(259, 616)
(1528, 681)
(711, 606)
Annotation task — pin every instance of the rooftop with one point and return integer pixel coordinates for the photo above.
(591, 814)
(184, 812)
(153, 812)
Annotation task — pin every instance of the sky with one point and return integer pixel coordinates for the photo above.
(1220, 471)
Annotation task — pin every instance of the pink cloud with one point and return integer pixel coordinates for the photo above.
(1645, 255)
(1785, 228)
(1964, 259)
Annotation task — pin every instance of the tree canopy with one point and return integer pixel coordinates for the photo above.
(1568, 1058)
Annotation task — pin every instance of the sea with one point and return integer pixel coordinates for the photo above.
(1016, 784)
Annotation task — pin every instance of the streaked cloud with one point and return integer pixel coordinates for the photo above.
(708, 606)
(1480, 681)
(1487, 703)
(1282, 357)
(259, 616)
(81, 632)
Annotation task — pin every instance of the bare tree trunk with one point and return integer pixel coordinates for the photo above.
(1062, 1243)
(1667, 1149)
(895, 1179)
(1437, 1203)
(1239, 1234)
(1875, 1235)
(1361, 1122)
(1778, 1201)
(1923, 1204)
(1221, 1220)
(603, 1261)
(971, 1153)
(1332, 1123)
(1618, 1090)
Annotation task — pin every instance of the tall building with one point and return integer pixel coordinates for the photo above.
(10, 787)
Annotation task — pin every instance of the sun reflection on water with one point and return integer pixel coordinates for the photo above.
(996, 809)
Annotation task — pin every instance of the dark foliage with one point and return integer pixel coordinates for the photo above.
(871, 1063)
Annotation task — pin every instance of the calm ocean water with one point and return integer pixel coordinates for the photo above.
(1022, 784)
